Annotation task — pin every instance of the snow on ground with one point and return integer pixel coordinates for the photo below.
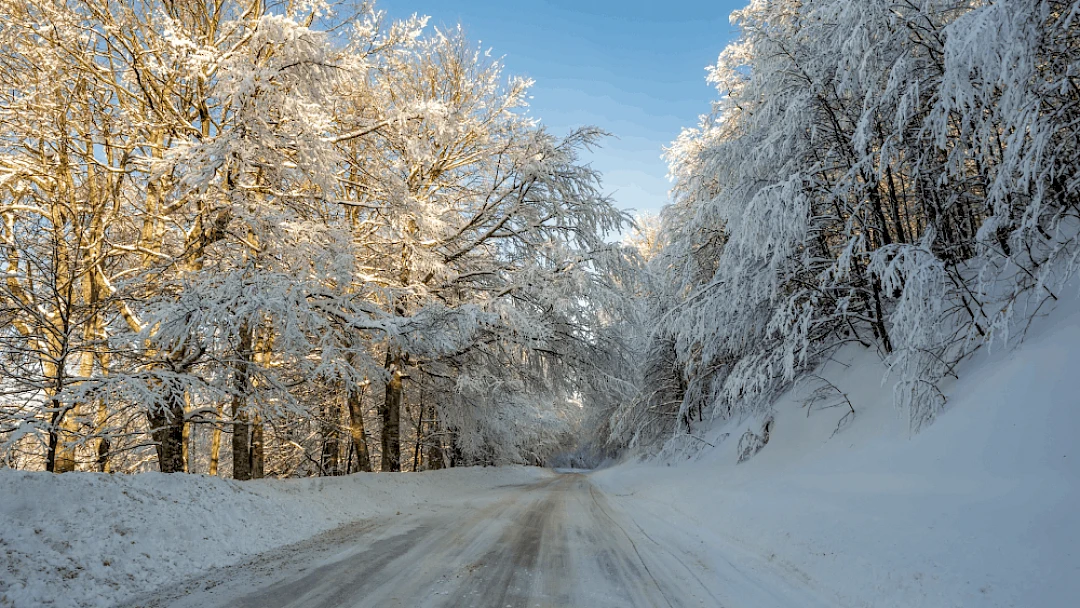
(93, 539)
(980, 509)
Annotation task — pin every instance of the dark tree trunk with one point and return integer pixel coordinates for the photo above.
(54, 439)
(356, 428)
(167, 429)
(391, 420)
(329, 459)
(104, 445)
(880, 224)
(419, 432)
(456, 457)
(256, 459)
(894, 200)
(879, 316)
(241, 426)
(167, 420)
(247, 448)
(241, 446)
(419, 438)
(60, 454)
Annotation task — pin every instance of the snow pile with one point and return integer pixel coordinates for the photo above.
(979, 509)
(93, 539)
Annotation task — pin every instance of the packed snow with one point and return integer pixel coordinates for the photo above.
(93, 540)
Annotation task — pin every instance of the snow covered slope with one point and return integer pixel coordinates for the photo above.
(91, 540)
(980, 509)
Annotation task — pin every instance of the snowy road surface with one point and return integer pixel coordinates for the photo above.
(559, 542)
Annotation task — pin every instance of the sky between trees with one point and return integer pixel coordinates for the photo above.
(635, 69)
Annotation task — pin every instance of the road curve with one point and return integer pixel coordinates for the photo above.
(554, 543)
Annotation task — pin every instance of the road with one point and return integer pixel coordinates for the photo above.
(557, 543)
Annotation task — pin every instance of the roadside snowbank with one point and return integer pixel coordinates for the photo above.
(91, 539)
(980, 509)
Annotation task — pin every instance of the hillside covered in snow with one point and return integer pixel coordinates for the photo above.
(977, 510)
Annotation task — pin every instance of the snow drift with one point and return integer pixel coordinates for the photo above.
(979, 509)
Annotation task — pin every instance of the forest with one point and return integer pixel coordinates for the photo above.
(256, 239)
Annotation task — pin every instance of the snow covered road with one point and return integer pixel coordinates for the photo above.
(559, 542)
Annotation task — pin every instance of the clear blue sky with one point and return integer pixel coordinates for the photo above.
(633, 68)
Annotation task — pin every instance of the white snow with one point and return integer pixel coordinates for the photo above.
(980, 509)
(93, 540)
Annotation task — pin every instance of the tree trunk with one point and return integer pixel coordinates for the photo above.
(456, 458)
(60, 455)
(241, 437)
(329, 459)
(356, 428)
(256, 458)
(65, 454)
(901, 232)
(103, 455)
(417, 447)
(879, 316)
(241, 445)
(167, 422)
(186, 448)
(215, 445)
(391, 420)
(167, 429)
(104, 445)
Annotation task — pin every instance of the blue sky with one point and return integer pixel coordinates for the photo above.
(633, 68)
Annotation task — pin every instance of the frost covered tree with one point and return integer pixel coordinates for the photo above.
(461, 199)
(647, 413)
(891, 173)
(222, 221)
(83, 110)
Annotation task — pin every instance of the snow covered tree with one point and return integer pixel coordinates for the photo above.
(250, 222)
(83, 109)
(873, 172)
(460, 199)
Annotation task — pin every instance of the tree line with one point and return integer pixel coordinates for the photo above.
(332, 241)
(250, 238)
(901, 174)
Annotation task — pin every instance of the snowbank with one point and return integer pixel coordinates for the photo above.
(93, 539)
(980, 509)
